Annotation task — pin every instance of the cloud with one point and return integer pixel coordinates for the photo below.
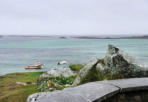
(73, 17)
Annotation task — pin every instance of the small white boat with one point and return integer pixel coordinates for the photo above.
(62, 62)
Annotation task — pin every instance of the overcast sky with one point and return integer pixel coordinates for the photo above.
(75, 17)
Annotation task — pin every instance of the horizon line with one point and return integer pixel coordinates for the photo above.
(123, 34)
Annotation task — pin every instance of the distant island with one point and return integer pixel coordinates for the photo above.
(81, 37)
(124, 37)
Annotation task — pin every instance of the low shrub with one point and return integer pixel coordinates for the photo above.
(55, 83)
(76, 67)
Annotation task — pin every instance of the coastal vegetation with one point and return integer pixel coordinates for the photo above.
(56, 83)
(10, 91)
(76, 67)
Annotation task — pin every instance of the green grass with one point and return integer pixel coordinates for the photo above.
(11, 92)
(76, 67)
(62, 80)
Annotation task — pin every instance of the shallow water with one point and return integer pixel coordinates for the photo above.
(16, 52)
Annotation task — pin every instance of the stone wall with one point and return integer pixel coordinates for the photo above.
(98, 92)
(133, 96)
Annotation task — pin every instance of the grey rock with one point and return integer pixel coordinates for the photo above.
(36, 96)
(132, 84)
(65, 72)
(112, 50)
(84, 93)
(63, 97)
(84, 71)
(93, 90)
(117, 62)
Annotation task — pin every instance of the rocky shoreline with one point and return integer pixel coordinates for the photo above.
(116, 64)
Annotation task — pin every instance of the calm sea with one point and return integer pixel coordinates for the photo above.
(16, 52)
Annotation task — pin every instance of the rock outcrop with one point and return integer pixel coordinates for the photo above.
(83, 73)
(64, 72)
(118, 62)
(115, 63)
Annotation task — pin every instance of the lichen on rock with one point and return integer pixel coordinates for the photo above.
(116, 64)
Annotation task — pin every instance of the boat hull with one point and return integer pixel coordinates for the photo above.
(34, 67)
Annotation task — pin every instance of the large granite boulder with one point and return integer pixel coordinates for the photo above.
(116, 63)
(64, 72)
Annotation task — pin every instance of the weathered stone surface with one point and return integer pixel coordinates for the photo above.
(118, 62)
(93, 90)
(84, 71)
(113, 51)
(65, 72)
(83, 93)
(136, 96)
(131, 84)
(90, 92)
(37, 96)
(63, 97)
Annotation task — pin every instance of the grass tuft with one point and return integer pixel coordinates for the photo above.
(76, 67)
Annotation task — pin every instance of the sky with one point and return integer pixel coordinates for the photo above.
(73, 17)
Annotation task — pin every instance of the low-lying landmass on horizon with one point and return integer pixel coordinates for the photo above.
(114, 37)
(82, 37)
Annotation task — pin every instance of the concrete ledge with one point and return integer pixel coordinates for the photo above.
(90, 92)
(133, 84)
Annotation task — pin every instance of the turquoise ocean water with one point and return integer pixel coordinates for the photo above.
(16, 52)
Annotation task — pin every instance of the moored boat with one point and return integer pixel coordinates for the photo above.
(34, 66)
